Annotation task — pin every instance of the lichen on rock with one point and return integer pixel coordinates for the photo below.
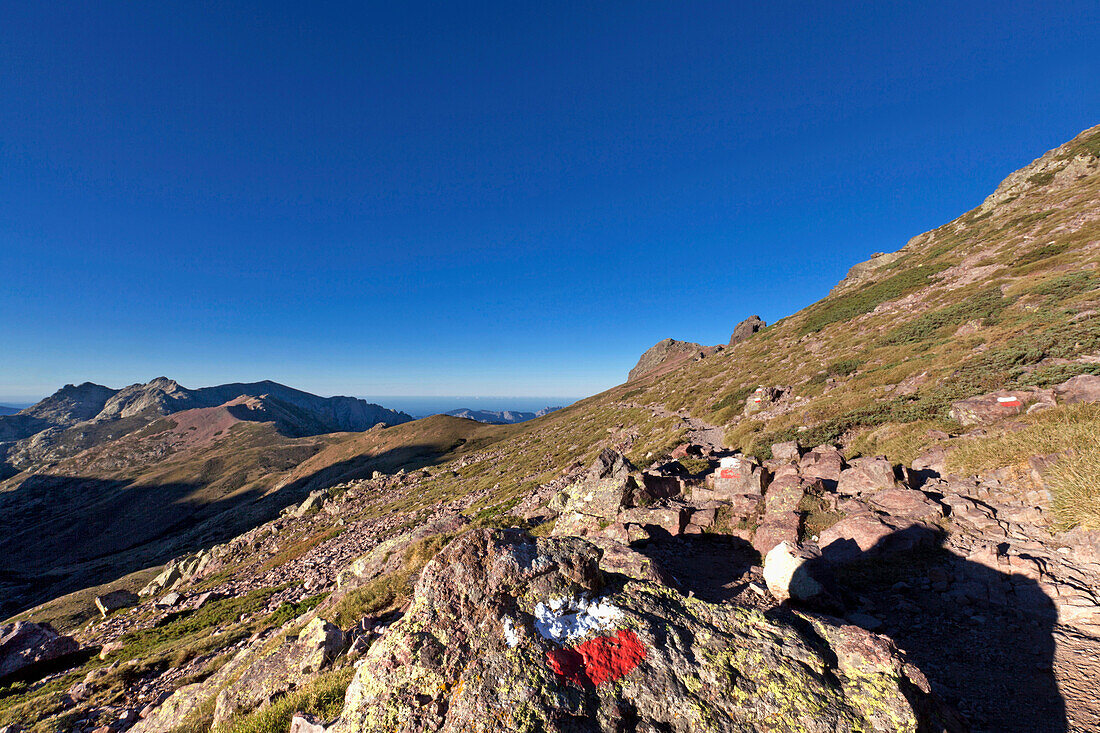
(660, 661)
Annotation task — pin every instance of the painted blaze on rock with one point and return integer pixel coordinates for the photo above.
(599, 660)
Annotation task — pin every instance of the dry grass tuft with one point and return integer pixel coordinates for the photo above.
(1074, 481)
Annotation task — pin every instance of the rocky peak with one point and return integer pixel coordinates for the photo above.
(72, 404)
(1057, 168)
(663, 352)
(746, 328)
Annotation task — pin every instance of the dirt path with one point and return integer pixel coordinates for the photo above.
(699, 431)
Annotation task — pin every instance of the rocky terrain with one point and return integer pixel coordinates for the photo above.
(879, 513)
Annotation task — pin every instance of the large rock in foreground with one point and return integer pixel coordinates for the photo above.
(506, 633)
(24, 645)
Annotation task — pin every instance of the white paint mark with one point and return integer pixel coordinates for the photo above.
(563, 620)
(510, 634)
(1008, 399)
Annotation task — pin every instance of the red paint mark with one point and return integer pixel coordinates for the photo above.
(728, 473)
(599, 660)
(1010, 403)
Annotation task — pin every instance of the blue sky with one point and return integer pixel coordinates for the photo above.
(483, 198)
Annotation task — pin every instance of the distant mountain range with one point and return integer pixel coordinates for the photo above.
(5, 410)
(500, 417)
(96, 481)
(78, 417)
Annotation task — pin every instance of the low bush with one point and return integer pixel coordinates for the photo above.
(866, 298)
(985, 306)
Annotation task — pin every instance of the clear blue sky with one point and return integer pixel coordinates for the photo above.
(484, 198)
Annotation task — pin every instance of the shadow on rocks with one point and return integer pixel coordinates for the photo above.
(713, 567)
(984, 638)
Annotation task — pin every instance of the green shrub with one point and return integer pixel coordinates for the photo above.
(985, 305)
(736, 398)
(1065, 287)
(1041, 253)
(866, 298)
(1041, 179)
(1049, 376)
(695, 466)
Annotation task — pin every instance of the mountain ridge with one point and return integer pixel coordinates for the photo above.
(77, 416)
(500, 417)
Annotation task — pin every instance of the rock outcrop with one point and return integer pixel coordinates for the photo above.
(506, 633)
(24, 645)
(745, 329)
(663, 353)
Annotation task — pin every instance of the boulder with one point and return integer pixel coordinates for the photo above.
(865, 475)
(853, 535)
(1082, 388)
(788, 575)
(788, 452)
(607, 488)
(930, 464)
(115, 600)
(737, 476)
(745, 329)
(618, 558)
(25, 645)
(510, 633)
(657, 521)
(785, 494)
(905, 503)
(305, 723)
(865, 534)
(312, 504)
(774, 529)
(290, 665)
(658, 486)
(989, 408)
(823, 462)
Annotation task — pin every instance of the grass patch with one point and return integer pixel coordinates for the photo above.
(736, 399)
(694, 466)
(1065, 287)
(1073, 430)
(1049, 376)
(323, 697)
(817, 516)
(1041, 253)
(985, 306)
(389, 591)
